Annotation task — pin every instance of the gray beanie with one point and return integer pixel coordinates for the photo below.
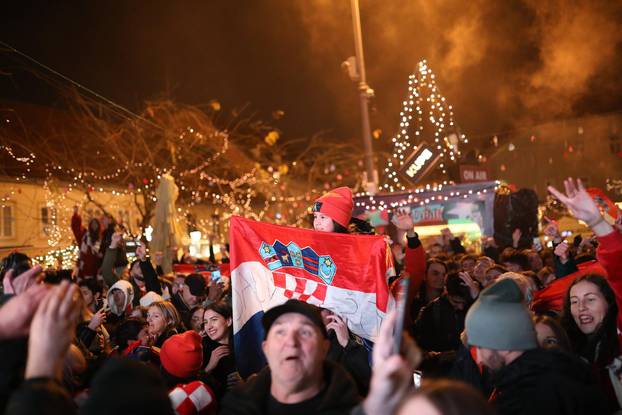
(499, 320)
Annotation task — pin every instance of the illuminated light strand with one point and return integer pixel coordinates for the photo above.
(76, 180)
(223, 150)
(439, 114)
(372, 204)
(26, 160)
(68, 256)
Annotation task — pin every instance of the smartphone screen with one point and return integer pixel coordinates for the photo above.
(537, 244)
(216, 277)
(417, 378)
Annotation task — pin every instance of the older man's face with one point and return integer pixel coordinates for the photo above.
(295, 349)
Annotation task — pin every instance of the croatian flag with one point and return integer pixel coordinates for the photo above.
(271, 264)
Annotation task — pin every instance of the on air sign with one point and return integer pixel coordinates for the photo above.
(469, 174)
(419, 163)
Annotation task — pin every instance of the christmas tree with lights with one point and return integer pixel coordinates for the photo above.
(425, 116)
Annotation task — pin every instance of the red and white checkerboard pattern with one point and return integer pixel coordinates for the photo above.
(194, 398)
(300, 288)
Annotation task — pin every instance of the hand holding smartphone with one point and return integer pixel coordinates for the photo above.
(405, 288)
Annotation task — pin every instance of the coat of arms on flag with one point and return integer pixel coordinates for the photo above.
(271, 264)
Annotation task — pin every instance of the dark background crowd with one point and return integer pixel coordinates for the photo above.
(511, 330)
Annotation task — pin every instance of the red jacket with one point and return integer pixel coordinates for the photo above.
(414, 267)
(552, 297)
(89, 255)
(609, 254)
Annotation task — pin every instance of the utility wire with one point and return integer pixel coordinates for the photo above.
(80, 86)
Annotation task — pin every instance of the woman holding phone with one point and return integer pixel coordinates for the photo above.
(220, 371)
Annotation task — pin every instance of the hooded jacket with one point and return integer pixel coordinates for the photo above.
(127, 289)
(340, 394)
(547, 382)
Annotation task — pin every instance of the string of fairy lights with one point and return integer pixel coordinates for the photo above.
(423, 94)
(428, 194)
(60, 180)
(67, 257)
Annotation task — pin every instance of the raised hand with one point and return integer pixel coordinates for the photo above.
(51, 331)
(468, 281)
(561, 251)
(403, 221)
(214, 292)
(98, 319)
(16, 315)
(552, 230)
(578, 201)
(582, 206)
(341, 329)
(21, 282)
(392, 373)
(115, 239)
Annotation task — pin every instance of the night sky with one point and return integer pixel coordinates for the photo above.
(501, 64)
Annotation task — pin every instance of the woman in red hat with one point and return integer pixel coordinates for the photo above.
(332, 212)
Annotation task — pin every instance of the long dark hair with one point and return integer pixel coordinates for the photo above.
(225, 310)
(601, 346)
(94, 234)
(563, 342)
(16, 261)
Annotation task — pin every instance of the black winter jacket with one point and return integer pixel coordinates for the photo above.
(353, 358)
(439, 326)
(251, 398)
(547, 382)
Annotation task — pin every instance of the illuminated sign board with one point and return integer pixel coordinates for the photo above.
(419, 163)
(470, 174)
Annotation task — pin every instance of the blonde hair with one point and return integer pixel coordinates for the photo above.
(170, 313)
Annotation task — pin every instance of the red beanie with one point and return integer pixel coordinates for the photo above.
(337, 204)
(182, 354)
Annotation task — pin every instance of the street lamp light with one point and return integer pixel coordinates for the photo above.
(356, 69)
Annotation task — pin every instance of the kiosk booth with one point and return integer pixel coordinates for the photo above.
(463, 208)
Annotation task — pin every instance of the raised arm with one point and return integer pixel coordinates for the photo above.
(149, 273)
(609, 252)
(414, 260)
(76, 226)
(109, 259)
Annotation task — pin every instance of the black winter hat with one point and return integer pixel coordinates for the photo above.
(294, 306)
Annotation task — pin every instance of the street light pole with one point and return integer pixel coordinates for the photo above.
(365, 93)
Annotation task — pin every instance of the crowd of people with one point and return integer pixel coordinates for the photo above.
(507, 331)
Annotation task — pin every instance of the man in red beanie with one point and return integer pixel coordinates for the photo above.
(332, 212)
(181, 357)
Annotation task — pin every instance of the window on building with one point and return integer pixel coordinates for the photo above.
(7, 221)
(48, 219)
